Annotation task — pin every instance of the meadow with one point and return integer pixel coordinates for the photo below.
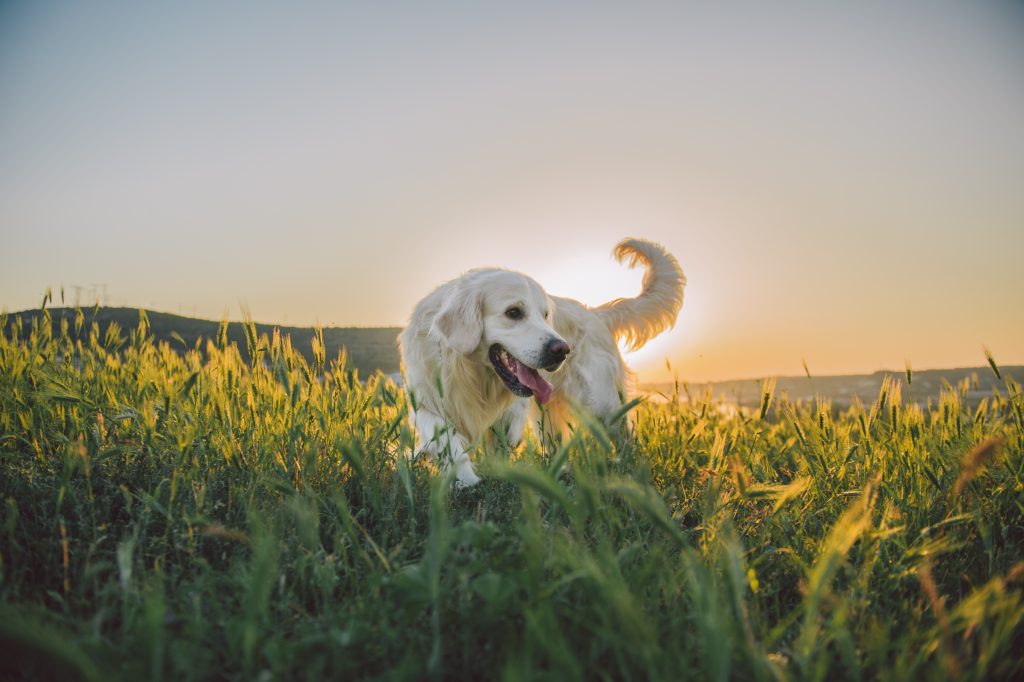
(245, 513)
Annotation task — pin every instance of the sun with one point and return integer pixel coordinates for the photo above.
(590, 278)
(594, 278)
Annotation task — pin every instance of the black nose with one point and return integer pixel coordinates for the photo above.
(557, 349)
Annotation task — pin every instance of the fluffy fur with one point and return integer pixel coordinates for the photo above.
(449, 352)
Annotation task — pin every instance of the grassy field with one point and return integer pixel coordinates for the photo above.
(368, 348)
(198, 516)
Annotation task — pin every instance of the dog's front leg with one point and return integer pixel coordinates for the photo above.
(513, 420)
(440, 441)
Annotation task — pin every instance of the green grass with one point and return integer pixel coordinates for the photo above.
(368, 348)
(197, 516)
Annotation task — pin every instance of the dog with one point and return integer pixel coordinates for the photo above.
(478, 348)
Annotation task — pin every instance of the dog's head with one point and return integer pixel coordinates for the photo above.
(504, 318)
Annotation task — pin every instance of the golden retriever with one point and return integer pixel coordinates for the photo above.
(479, 347)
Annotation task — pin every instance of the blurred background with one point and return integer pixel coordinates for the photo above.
(842, 183)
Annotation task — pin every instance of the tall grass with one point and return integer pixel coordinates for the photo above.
(190, 516)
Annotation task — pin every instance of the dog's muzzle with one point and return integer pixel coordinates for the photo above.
(519, 377)
(554, 354)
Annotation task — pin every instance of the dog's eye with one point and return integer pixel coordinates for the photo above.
(514, 313)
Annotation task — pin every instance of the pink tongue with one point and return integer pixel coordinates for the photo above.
(535, 382)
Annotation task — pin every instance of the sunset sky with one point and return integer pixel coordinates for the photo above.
(842, 183)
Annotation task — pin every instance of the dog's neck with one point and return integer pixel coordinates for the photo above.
(475, 395)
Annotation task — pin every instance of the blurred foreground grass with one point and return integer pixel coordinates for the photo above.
(198, 516)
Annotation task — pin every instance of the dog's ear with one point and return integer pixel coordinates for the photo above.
(460, 322)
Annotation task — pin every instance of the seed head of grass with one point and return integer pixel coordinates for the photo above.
(767, 393)
(992, 362)
(975, 460)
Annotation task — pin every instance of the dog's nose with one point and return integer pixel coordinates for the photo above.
(558, 349)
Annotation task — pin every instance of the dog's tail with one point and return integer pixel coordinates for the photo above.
(638, 320)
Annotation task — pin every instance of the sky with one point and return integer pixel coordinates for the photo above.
(843, 183)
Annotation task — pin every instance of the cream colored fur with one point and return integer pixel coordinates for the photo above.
(457, 395)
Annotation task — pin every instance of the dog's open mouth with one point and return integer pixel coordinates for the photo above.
(521, 379)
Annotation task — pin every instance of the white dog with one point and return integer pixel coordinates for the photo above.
(478, 347)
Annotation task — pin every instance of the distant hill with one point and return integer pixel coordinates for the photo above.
(369, 348)
(843, 389)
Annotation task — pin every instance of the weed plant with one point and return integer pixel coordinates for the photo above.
(196, 516)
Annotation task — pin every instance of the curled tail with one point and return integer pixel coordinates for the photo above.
(637, 320)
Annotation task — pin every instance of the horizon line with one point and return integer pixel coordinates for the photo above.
(755, 378)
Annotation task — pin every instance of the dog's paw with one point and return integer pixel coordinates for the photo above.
(467, 482)
(466, 478)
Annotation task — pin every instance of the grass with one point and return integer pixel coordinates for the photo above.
(368, 348)
(169, 516)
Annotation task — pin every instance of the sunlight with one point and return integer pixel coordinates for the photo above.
(591, 277)
(649, 361)
(680, 345)
(594, 277)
